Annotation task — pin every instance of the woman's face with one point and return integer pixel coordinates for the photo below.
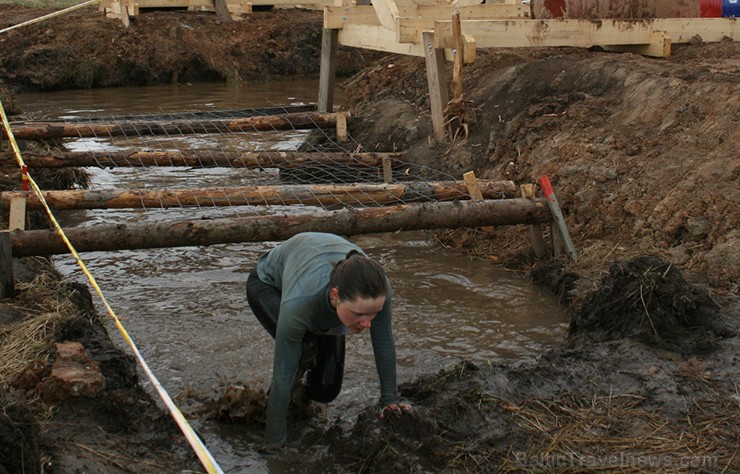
(358, 314)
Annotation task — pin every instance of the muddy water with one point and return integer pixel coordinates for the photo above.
(185, 307)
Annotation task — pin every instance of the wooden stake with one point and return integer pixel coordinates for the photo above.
(558, 219)
(328, 68)
(341, 127)
(535, 230)
(17, 219)
(471, 182)
(459, 56)
(387, 170)
(7, 280)
(438, 96)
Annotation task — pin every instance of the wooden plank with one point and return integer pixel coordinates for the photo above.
(408, 29)
(438, 96)
(390, 10)
(7, 280)
(660, 47)
(328, 69)
(337, 17)
(584, 33)
(347, 221)
(377, 38)
(17, 219)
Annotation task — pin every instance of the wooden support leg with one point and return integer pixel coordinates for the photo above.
(7, 281)
(222, 11)
(329, 41)
(438, 96)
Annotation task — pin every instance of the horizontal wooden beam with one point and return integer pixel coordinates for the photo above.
(377, 38)
(584, 33)
(308, 195)
(201, 232)
(52, 130)
(336, 17)
(246, 159)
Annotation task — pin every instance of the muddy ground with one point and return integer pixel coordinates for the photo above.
(643, 153)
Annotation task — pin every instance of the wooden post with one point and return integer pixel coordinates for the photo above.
(17, 219)
(222, 11)
(341, 127)
(387, 170)
(535, 230)
(7, 281)
(328, 68)
(438, 96)
(458, 51)
(471, 182)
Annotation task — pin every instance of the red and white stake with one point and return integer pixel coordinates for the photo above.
(557, 216)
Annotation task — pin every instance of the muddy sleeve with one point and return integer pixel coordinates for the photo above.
(384, 350)
(288, 339)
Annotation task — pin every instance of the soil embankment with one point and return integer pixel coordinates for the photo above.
(643, 153)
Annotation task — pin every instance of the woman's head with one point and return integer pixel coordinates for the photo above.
(357, 290)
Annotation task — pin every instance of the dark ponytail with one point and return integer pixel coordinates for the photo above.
(358, 276)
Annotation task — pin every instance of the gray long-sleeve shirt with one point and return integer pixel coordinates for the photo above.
(300, 267)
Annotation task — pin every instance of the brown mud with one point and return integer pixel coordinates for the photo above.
(643, 154)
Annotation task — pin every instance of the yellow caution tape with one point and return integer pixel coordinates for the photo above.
(195, 442)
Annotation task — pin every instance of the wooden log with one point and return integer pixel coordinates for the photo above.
(435, 215)
(248, 159)
(308, 195)
(52, 130)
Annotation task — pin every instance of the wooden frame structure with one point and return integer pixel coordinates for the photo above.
(428, 28)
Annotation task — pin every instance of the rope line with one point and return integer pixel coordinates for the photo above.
(206, 458)
(50, 15)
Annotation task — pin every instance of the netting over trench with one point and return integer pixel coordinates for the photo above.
(229, 163)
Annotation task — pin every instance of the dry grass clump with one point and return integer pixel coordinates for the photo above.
(615, 434)
(44, 309)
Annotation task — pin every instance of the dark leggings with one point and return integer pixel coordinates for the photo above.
(326, 368)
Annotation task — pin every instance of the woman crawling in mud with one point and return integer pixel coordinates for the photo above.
(309, 293)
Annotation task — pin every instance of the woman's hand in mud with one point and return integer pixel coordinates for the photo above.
(396, 409)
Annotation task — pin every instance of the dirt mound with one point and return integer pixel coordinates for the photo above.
(646, 298)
